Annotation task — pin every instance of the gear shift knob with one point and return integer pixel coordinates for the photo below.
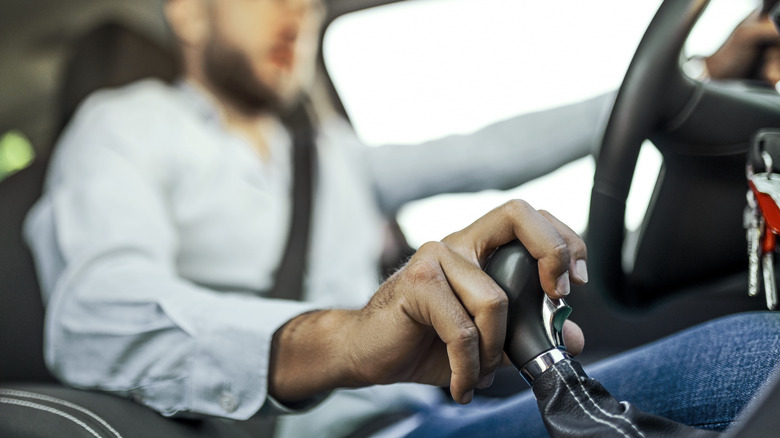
(534, 341)
(535, 345)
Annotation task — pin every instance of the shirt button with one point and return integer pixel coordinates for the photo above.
(228, 402)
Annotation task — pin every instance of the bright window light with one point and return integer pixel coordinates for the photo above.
(416, 70)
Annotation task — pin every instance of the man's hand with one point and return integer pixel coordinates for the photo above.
(740, 52)
(439, 320)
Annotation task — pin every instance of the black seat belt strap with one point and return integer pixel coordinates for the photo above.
(289, 276)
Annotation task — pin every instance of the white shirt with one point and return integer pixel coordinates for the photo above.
(159, 231)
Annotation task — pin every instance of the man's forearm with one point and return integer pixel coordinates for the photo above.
(310, 355)
(501, 156)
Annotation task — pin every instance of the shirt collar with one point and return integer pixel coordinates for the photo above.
(197, 99)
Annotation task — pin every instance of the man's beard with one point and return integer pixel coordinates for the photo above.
(232, 77)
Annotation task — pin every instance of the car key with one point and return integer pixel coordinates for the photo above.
(770, 288)
(762, 233)
(753, 223)
(763, 186)
(762, 216)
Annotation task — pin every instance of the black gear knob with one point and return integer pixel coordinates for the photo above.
(534, 339)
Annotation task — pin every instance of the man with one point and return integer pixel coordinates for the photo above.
(166, 213)
(167, 209)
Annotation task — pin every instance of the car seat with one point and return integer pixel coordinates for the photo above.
(32, 403)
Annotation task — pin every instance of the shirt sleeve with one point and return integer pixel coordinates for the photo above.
(500, 156)
(119, 317)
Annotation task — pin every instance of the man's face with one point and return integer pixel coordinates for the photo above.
(261, 53)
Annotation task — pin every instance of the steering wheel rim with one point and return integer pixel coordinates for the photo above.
(654, 91)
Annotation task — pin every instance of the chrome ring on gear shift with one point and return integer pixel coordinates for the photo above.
(541, 363)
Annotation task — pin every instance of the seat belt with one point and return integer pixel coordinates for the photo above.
(289, 275)
(288, 284)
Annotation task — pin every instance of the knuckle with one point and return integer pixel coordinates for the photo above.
(497, 302)
(517, 207)
(431, 249)
(560, 252)
(423, 272)
(459, 245)
(579, 248)
(494, 361)
(452, 240)
(467, 336)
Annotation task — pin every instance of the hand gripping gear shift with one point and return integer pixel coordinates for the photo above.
(571, 403)
(534, 339)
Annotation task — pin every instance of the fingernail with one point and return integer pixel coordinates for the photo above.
(562, 285)
(581, 270)
(467, 397)
(486, 381)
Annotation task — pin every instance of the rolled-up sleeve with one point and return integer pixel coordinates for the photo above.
(119, 317)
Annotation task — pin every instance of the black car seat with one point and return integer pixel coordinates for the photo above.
(32, 403)
(100, 59)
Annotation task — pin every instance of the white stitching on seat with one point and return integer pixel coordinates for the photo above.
(26, 394)
(27, 404)
(622, 417)
(593, 417)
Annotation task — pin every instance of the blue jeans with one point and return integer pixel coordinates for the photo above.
(702, 377)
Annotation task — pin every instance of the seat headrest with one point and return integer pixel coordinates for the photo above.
(111, 55)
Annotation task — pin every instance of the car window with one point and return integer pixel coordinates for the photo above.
(411, 71)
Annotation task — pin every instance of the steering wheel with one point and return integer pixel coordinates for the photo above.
(702, 130)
